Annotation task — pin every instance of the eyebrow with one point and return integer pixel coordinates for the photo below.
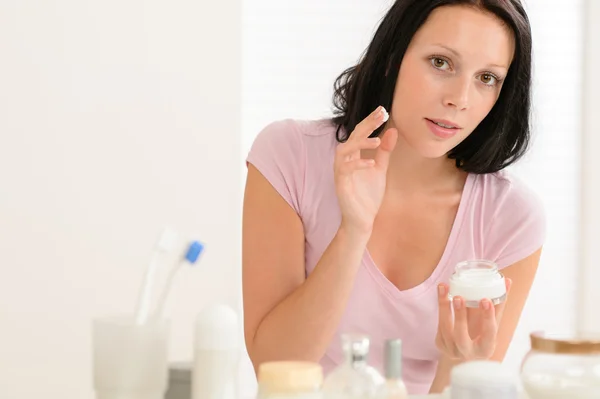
(450, 49)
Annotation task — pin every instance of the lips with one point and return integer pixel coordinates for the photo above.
(445, 123)
(442, 128)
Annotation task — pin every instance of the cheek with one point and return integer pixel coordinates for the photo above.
(414, 91)
(413, 84)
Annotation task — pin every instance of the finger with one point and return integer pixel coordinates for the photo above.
(439, 342)
(461, 337)
(388, 142)
(369, 124)
(486, 342)
(350, 148)
(446, 320)
(356, 164)
(508, 282)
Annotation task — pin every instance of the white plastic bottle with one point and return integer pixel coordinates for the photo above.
(216, 353)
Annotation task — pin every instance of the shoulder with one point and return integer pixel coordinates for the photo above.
(514, 217)
(293, 132)
(508, 193)
(292, 144)
(282, 151)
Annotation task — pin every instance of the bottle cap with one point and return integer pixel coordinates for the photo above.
(393, 359)
(578, 344)
(356, 346)
(217, 328)
(289, 377)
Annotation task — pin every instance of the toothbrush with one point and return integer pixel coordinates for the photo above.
(190, 258)
(165, 244)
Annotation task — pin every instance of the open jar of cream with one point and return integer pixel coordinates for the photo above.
(562, 367)
(475, 280)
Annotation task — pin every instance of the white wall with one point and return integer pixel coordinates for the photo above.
(292, 53)
(589, 316)
(553, 167)
(294, 50)
(116, 118)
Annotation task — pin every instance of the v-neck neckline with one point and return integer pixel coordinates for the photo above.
(419, 289)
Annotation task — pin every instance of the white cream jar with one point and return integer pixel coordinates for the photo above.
(475, 280)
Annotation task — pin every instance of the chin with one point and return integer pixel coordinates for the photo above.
(431, 149)
(434, 154)
(423, 142)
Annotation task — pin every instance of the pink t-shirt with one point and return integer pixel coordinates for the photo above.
(498, 219)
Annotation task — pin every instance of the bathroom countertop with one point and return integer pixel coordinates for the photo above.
(431, 396)
(447, 396)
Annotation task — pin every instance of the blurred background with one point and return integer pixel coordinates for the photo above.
(119, 118)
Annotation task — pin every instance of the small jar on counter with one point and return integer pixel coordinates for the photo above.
(562, 367)
(289, 380)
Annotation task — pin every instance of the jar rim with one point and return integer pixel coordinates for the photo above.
(480, 267)
(582, 345)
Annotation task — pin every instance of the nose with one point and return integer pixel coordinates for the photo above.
(457, 95)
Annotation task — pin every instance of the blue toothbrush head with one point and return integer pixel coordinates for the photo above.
(194, 251)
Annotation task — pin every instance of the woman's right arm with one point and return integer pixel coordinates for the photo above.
(286, 315)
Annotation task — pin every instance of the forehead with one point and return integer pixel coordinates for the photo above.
(473, 33)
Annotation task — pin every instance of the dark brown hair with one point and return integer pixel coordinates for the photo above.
(504, 134)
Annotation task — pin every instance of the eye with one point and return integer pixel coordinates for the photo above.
(489, 79)
(439, 63)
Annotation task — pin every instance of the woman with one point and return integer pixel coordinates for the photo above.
(355, 223)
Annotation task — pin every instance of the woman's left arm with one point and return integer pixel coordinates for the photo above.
(521, 275)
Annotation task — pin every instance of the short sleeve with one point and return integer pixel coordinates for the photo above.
(518, 227)
(278, 153)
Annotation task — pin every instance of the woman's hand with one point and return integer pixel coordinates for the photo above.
(359, 182)
(469, 333)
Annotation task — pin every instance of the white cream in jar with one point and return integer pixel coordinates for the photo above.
(475, 280)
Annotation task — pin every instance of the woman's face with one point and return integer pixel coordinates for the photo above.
(451, 74)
